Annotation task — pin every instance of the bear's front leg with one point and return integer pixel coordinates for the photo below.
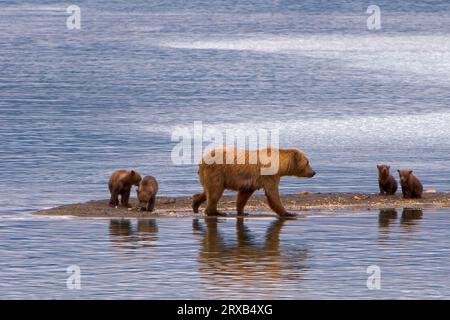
(151, 203)
(213, 196)
(273, 198)
(381, 189)
(407, 195)
(242, 199)
(403, 192)
(125, 197)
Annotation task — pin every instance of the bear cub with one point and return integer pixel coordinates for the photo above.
(386, 181)
(411, 186)
(146, 193)
(120, 183)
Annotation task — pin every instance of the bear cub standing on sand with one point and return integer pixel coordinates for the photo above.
(146, 193)
(120, 183)
(247, 176)
(386, 181)
(411, 186)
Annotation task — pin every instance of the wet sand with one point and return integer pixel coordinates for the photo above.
(257, 205)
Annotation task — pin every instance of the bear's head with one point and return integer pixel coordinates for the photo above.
(143, 194)
(384, 171)
(300, 166)
(404, 175)
(135, 178)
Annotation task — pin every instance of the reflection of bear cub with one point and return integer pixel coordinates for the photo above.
(146, 193)
(386, 181)
(120, 183)
(411, 186)
(243, 171)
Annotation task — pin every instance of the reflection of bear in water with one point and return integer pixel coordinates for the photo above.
(386, 216)
(410, 216)
(408, 220)
(123, 234)
(242, 262)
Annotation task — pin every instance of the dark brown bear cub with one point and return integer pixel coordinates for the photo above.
(120, 183)
(411, 186)
(386, 181)
(146, 193)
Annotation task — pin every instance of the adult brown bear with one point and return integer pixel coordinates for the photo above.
(247, 171)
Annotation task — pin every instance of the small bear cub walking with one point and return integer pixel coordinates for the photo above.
(386, 180)
(146, 193)
(120, 183)
(411, 186)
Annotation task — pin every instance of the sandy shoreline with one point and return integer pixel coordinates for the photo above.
(257, 206)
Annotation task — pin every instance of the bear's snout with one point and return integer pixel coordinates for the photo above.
(311, 174)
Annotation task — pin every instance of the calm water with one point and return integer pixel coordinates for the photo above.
(320, 256)
(77, 104)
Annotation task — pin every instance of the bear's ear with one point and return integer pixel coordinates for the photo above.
(410, 171)
(133, 172)
(399, 171)
(298, 156)
(378, 166)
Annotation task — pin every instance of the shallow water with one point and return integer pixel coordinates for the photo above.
(323, 255)
(76, 105)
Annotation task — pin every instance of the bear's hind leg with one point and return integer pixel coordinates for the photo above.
(416, 195)
(197, 200)
(114, 201)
